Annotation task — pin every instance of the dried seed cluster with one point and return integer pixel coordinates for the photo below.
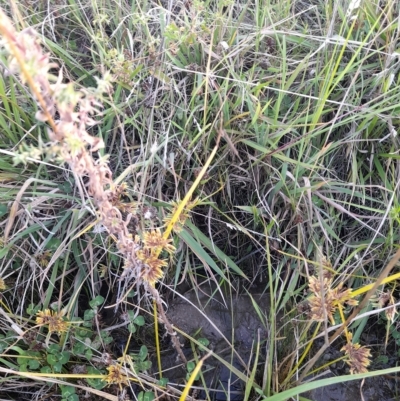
(54, 320)
(325, 300)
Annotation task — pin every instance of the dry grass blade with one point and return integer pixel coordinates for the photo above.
(15, 207)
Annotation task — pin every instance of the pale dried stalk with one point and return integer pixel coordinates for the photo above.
(71, 142)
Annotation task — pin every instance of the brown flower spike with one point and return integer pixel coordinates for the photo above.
(154, 241)
(116, 376)
(54, 320)
(357, 357)
(325, 300)
(185, 214)
(152, 266)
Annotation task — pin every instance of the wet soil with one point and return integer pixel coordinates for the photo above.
(232, 324)
(220, 317)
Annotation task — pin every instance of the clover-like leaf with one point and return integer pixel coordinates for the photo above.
(139, 321)
(190, 366)
(89, 314)
(66, 391)
(163, 381)
(54, 349)
(52, 359)
(33, 364)
(89, 354)
(64, 357)
(32, 309)
(146, 396)
(203, 341)
(57, 367)
(45, 369)
(106, 337)
(131, 328)
(79, 348)
(94, 303)
(143, 353)
(98, 384)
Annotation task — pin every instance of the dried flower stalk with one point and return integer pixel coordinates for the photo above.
(324, 302)
(325, 299)
(69, 114)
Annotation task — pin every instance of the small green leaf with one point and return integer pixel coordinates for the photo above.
(203, 341)
(57, 367)
(396, 334)
(82, 333)
(23, 367)
(131, 328)
(34, 364)
(147, 396)
(163, 382)
(51, 359)
(45, 369)
(143, 353)
(89, 354)
(89, 314)
(54, 348)
(384, 359)
(64, 357)
(190, 366)
(96, 344)
(79, 348)
(96, 302)
(107, 339)
(139, 321)
(67, 391)
(22, 361)
(32, 309)
(145, 365)
(189, 374)
(98, 384)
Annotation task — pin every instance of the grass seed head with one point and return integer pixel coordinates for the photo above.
(152, 266)
(54, 320)
(325, 300)
(116, 376)
(154, 241)
(357, 357)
